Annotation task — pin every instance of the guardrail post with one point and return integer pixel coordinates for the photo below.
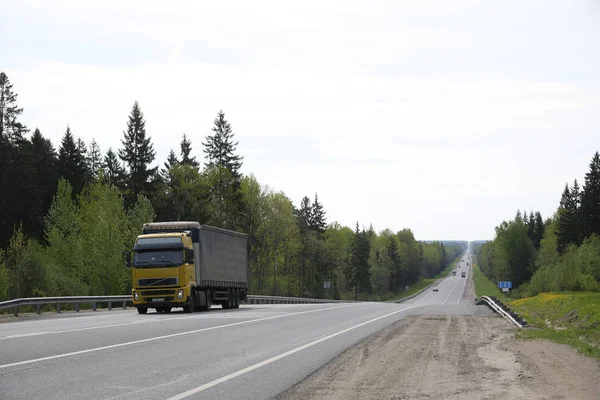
(16, 311)
(109, 305)
(58, 308)
(93, 306)
(76, 307)
(124, 305)
(37, 309)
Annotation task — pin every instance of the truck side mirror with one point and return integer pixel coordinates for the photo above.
(189, 256)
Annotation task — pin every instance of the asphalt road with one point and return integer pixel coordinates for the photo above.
(255, 352)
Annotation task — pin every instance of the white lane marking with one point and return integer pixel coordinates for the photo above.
(449, 294)
(141, 321)
(24, 335)
(129, 394)
(78, 329)
(152, 339)
(278, 357)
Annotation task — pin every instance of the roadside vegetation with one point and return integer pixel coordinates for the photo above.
(68, 213)
(559, 254)
(483, 286)
(569, 318)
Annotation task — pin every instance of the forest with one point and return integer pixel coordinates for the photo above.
(561, 253)
(69, 212)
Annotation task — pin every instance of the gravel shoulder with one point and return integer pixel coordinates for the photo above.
(452, 357)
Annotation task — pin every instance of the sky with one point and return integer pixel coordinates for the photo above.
(444, 117)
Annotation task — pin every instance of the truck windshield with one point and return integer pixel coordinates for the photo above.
(158, 258)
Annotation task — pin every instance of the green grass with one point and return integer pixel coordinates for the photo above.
(483, 286)
(568, 318)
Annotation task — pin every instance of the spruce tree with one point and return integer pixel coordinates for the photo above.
(567, 231)
(539, 230)
(10, 128)
(531, 226)
(137, 154)
(220, 148)
(317, 217)
(186, 150)
(94, 158)
(590, 200)
(304, 215)
(114, 174)
(171, 161)
(44, 163)
(72, 163)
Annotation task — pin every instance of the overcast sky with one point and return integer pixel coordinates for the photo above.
(440, 116)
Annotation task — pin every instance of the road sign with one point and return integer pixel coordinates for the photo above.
(505, 290)
(504, 285)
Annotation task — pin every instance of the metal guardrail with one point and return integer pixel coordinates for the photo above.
(58, 301)
(498, 309)
(38, 302)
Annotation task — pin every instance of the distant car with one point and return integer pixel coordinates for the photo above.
(435, 289)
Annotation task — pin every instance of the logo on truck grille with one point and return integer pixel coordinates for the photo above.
(157, 281)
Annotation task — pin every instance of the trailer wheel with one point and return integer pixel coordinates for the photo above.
(142, 310)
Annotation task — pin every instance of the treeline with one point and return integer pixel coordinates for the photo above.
(68, 214)
(559, 254)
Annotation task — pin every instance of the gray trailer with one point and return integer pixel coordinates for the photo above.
(220, 262)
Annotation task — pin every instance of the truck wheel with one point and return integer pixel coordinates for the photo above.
(189, 307)
(142, 310)
(207, 304)
(236, 299)
(226, 304)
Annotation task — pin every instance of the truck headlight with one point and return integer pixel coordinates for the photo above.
(180, 294)
(136, 296)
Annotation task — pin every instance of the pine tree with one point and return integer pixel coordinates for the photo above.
(137, 154)
(531, 226)
(72, 163)
(186, 149)
(304, 214)
(317, 220)
(94, 158)
(357, 271)
(44, 163)
(567, 231)
(113, 173)
(590, 200)
(10, 128)
(171, 161)
(220, 147)
(540, 228)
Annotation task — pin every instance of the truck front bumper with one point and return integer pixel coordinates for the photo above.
(172, 297)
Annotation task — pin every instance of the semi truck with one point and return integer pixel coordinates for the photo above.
(189, 265)
(463, 274)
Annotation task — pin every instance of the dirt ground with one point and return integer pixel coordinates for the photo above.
(453, 357)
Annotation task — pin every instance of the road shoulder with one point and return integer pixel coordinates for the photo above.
(452, 357)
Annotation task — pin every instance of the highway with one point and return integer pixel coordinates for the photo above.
(254, 352)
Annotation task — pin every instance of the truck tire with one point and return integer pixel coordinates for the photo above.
(227, 304)
(236, 299)
(191, 303)
(208, 303)
(142, 310)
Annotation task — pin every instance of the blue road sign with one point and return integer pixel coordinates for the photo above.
(504, 285)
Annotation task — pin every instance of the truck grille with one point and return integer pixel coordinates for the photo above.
(157, 282)
(156, 292)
